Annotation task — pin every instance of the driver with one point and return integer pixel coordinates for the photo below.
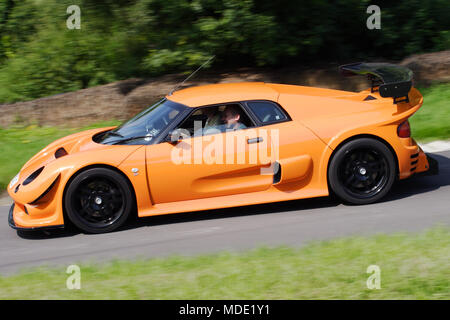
(231, 117)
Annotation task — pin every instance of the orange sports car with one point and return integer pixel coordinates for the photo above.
(226, 145)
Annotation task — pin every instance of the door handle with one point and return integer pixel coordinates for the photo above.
(255, 140)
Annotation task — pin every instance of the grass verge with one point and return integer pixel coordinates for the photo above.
(432, 121)
(413, 266)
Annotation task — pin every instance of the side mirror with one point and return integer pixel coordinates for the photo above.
(175, 136)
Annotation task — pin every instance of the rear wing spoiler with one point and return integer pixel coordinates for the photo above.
(389, 80)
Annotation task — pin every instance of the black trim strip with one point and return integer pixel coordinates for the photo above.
(414, 162)
(413, 169)
(10, 217)
(415, 155)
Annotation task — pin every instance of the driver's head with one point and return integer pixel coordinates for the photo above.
(231, 115)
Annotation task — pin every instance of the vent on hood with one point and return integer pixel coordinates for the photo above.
(33, 176)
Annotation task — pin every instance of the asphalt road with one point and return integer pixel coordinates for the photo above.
(413, 205)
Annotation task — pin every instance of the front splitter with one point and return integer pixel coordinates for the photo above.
(13, 225)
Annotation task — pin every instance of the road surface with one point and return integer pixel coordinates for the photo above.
(413, 205)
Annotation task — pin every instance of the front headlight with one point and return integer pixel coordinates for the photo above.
(14, 180)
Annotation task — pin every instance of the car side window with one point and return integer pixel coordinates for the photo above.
(267, 112)
(215, 119)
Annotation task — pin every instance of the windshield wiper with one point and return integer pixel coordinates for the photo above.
(132, 138)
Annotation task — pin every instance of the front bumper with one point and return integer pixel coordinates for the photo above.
(13, 225)
(10, 217)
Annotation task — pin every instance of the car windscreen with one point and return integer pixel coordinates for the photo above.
(145, 126)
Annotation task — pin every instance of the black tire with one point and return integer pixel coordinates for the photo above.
(362, 171)
(98, 200)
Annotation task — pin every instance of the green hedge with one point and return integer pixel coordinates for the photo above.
(119, 39)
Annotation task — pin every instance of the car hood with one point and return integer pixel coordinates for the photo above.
(46, 167)
(72, 143)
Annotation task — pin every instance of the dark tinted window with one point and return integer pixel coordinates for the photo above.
(267, 112)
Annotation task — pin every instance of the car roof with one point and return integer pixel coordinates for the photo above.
(223, 93)
(242, 91)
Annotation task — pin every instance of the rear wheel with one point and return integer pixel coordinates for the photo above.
(362, 171)
(98, 200)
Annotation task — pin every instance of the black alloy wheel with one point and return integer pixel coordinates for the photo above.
(362, 171)
(98, 200)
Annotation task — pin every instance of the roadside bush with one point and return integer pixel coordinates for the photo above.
(119, 39)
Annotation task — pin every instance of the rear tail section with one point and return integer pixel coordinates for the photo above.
(396, 82)
(389, 81)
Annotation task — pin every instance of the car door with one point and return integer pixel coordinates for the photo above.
(211, 165)
(295, 147)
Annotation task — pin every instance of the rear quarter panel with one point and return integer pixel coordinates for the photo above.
(336, 120)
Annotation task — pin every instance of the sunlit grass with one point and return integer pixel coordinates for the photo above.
(413, 266)
(432, 121)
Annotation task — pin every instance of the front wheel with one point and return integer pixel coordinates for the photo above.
(98, 200)
(362, 171)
